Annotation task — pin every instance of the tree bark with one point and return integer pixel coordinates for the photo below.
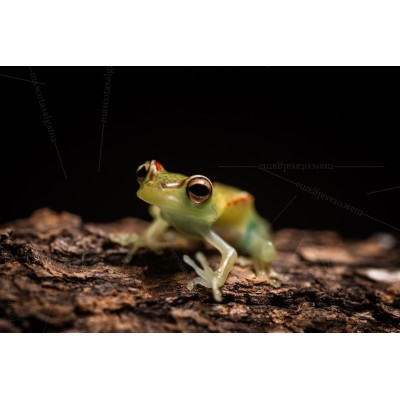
(58, 274)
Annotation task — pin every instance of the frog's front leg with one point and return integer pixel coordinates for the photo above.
(150, 239)
(207, 276)
(136, 241)
(156, 237)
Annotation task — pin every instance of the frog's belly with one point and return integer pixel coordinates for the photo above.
(232, 235)
(247, 235)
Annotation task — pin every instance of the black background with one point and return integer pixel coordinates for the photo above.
(340, 116)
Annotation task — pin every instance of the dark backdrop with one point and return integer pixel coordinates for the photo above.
(337, 116)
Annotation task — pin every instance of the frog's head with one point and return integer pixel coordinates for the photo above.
(176, 194)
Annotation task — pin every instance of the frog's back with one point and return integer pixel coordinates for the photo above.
(238, 219)
(234, 206)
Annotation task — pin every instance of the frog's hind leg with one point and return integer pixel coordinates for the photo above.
(262, 252)
(262, 260)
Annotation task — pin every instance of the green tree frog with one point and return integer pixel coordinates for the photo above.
(198, 209)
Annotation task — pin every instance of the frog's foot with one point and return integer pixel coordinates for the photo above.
(136, 241)
(268, 275)
(243, 261)
(126, 239)
(123, 238)
(207, 276)
(144, 242)
(127, 259)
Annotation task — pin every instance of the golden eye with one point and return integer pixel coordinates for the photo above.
(142, 171)
(199, 189)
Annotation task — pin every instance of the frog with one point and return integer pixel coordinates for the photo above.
(201, 210)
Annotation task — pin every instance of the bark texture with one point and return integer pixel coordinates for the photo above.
(58, 274)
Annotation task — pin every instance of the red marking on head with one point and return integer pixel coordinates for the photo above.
(240, 200)
(155, 167)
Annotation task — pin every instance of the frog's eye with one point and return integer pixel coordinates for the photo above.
(142, 171)
(199, 189)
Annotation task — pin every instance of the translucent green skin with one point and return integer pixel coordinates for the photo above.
(227, 220)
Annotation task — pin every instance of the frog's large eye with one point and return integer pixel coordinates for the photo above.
(142, 171)
(199, 189)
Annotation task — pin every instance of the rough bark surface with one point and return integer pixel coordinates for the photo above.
(58, 274)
